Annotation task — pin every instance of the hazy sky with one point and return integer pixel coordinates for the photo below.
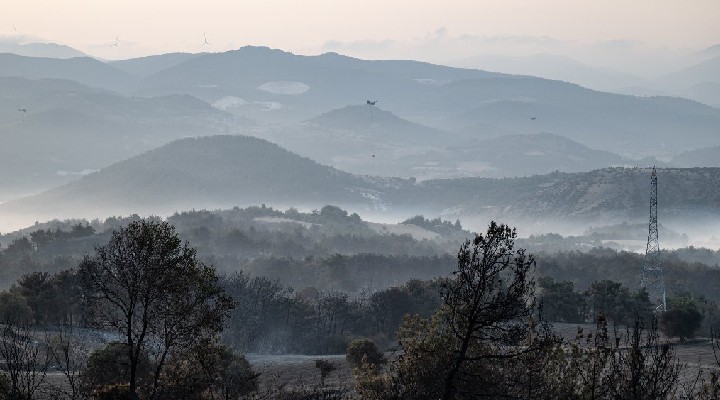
(419, 28)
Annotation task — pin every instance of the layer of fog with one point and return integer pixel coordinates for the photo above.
(675, 232)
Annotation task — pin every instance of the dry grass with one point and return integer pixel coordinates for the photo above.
(298, 372)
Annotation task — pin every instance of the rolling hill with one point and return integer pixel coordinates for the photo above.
(200, 172)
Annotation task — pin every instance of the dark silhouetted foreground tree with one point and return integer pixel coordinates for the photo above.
(150, 287)
(480, 341)
(487, 307)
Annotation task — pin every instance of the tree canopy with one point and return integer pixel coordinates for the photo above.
(149, 287)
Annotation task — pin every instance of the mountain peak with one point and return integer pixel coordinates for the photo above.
(357, 114)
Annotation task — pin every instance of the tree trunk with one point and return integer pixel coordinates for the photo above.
(449, 387)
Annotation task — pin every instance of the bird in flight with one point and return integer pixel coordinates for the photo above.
(533, 118)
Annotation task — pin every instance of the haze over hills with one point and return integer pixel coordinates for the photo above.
(85, 70)
(276, 86)
(385, 144)
(705, 157)
(556, 67)
(354, 140)
(224, 171)
(695, 77)
(297, 87)
(704, 71)
(628, 125)
(47, 50)
(705, 92)
(69, 130)
(146, 66)
(281, 86)
(531, 154)
(431, 121)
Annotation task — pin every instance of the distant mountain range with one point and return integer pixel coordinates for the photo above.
(552, 66)
(46, 50)
(223, 171)
(430, 121)
(276, 86)
(384, 144)
(272, 85)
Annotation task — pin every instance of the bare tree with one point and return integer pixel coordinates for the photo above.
(27, 359)
(70, 353)
(642, 366)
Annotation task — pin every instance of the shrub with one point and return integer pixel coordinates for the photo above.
(366, 348)
(108, 367)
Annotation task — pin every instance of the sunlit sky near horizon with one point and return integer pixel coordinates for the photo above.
(429, 30)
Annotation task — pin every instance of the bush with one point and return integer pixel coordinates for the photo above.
(14, 308)
(682, 319)
(109, 367)
(209, 370)
(364, 348)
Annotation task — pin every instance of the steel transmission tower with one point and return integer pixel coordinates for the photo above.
(652, 278)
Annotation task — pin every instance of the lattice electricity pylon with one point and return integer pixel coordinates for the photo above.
(652, 278)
